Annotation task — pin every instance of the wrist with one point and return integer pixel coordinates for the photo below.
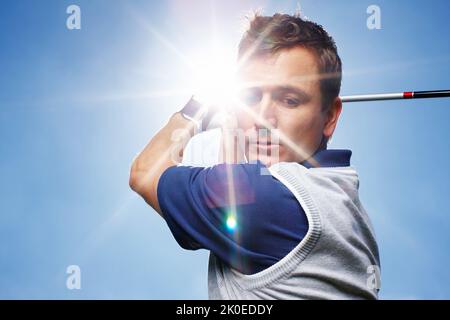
(179, 121)
(197, 125)
(196, 112)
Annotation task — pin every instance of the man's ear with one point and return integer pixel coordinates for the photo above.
(332, 116)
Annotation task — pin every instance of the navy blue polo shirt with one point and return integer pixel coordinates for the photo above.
(247, 219)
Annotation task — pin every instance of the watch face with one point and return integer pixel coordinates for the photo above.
(193, 109)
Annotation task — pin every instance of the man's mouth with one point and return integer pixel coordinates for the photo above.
(266, 141)
(266, 144)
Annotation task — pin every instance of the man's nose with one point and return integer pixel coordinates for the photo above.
(266, 113)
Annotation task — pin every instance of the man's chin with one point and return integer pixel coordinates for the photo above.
(264, 159)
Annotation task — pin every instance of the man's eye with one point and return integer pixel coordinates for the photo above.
(291, 102)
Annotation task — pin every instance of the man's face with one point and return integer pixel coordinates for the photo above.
(283, 91)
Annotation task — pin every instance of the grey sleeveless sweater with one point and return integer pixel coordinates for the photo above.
(334, 259)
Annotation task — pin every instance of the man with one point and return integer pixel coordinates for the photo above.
(299, 231)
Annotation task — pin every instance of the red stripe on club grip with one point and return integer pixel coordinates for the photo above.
(408, 95)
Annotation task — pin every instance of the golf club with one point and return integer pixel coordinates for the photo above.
(399, 95)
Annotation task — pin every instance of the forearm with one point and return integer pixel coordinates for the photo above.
(163, 151)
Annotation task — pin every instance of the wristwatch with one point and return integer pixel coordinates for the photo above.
(197, 113)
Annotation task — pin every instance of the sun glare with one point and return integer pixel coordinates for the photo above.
(215, 83)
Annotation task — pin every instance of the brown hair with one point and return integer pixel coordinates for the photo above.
(269, 34)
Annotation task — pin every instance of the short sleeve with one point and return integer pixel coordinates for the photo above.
(247, 219)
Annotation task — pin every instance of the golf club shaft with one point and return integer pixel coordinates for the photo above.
(399, 95)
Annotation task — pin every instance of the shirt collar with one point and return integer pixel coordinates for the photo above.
(330, 158)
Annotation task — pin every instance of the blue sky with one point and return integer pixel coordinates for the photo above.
(75, 108)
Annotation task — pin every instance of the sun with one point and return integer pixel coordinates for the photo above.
(215, 82)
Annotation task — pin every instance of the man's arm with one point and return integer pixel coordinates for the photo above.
(157, 156)
(196, 202)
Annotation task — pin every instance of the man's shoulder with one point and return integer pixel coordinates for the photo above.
(297, 177)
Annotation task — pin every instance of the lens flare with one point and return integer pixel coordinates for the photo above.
(215, 83)
(231, 222)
